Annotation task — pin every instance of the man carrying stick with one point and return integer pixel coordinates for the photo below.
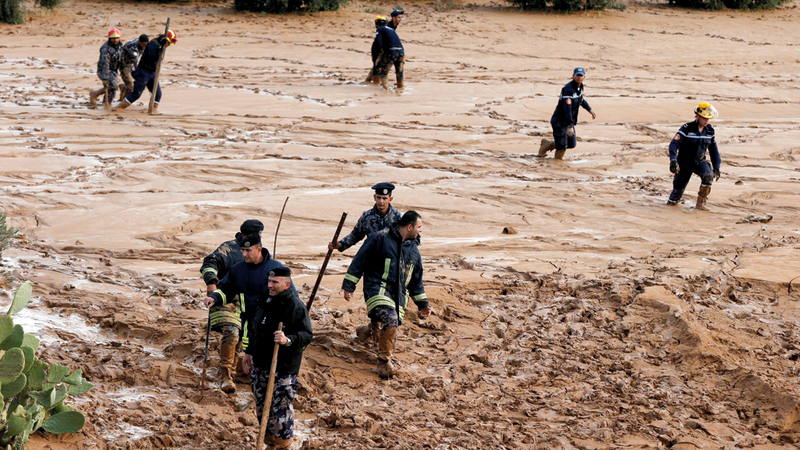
(145, 73)
(281, 306)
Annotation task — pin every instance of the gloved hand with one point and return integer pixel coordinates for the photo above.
(570, 131)
(673, 166)
(716, 174)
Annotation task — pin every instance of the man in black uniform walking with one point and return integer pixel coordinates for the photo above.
(392, 54)
(687, 155)
(565, 116)
(145, 73)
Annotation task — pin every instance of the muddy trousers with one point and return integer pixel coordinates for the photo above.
(113, 86)
(230, 346)
(383, 68)
(143, 79)
(681, 179)
(280, 423)
(563, 140)
(127, 79)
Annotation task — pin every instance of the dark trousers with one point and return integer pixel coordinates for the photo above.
(386, 61)
(385, 315)
(142, 79)
(681, 179)
(563, 141)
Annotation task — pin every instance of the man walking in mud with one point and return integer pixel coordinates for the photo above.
(129, 58)
(282, 305)
(391, 266)
(380, 217)
(107, 67)
(226, 318)
(391, 54)
(565, 116)
(145, 73)
(687, 155)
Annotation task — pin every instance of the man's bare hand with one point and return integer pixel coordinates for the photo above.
(210, 288)
(280, 338)
(247, 363)
(348, 295)
(209, 301)
(594, 116)
(333, 245)
(425, 312)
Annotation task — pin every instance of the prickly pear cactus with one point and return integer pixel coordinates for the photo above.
(32, 393)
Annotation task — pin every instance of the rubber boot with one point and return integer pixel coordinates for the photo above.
(121, 105)
(93, 95)
(123, 92)
(227, 355)
(546, 146)
(155, 108)
(386, 350)
(400, 83)
(671, 203)
(370, 77)
(282, 444)
(560, 154)
(369, 334)
(702, 197)
(385, 83)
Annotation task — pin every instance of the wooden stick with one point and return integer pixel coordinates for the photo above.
(205, 361)
(265, 410)
(325, 263)
(275, 242)
(158, 70)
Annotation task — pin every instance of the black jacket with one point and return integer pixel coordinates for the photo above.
(219, 262)
(569, 103)
(150, 55)
(689, 146)
(389, 42)
(285, 307)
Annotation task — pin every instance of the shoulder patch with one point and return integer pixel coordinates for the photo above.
(677, 137)
(569, 101)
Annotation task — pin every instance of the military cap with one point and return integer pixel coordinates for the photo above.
(250, 240)
(383, 188)
(280, 271)
(398, 12)
(251, 226)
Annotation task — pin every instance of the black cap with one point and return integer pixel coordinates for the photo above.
(383, 188)
(251, 226)
(144, 38)
(397, 12)
(280, 271)
(245, 241)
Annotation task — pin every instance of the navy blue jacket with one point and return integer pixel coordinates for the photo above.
(377, 261)
(249, 282)
(150, 55)
(569, 103)
(285, 307)
(389, 42)
(689, 146)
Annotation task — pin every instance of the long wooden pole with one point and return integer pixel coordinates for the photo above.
(280, 219)
(158, 70)
(205, 360)
(265, 410)
(325, 263)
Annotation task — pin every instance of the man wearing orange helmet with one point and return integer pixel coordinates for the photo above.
(687, 155)
(145, 72)
(107, 68)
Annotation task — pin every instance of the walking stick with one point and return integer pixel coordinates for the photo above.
(268, 402)
(205, 361)
(325, 263)
(158, 70)
(275, 242)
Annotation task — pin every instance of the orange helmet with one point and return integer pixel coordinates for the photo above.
(172, 37)
(114, 33)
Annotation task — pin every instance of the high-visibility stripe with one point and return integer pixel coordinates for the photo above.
(379, 300)
(209, 269)
(245, 337)
(349, 277)
(386, 265)
(420, 297)
(694, 136)
(410, 272)
(571, 96)
(222, 294)
(402, 312)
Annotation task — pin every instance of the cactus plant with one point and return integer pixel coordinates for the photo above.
(6, 327)
(15, 387)
(11, 365)
(65, 422)
(14, 339)
(21, 298)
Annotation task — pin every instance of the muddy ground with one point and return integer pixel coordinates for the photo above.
(606, 321)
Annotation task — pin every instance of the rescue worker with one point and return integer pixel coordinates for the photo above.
(107, 67)
(247, 279)
(392, 53)
(565, 116)
(145, 73)
(397, 17)
(226, 318)
(687, 155)
(375, 51)
(282, 305)
(380, 217)
(391, 266)
(129, 58)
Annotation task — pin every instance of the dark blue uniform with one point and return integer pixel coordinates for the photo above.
(566, 114)
(145, 72)
(371, 221)
(689, 148)
(391, 52)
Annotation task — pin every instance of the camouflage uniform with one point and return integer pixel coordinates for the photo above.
(371, 221)
(108, 65)
(281, 412)
(225, 318)
(129, 57)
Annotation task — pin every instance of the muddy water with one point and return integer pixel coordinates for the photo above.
(559, 336)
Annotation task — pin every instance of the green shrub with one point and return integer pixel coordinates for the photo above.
(12, 11)
(49, 4)
(285, 6)
(564, 5)
(7, 233)
(732, 4)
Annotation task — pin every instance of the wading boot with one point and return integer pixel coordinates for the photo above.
(281, 444)
(560, 154)
(702, 197)
(400, 83)
(546, 146)
(385, 83)
(155, 108)
(386, 349)
(121, 105)
(93, 95)
(671, 203)
(369, 334)
(227, 355)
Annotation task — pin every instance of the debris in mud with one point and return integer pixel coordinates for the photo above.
(752, 218)
(509, 230)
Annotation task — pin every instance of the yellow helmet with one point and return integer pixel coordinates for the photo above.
(706, 111)
(380, 21)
